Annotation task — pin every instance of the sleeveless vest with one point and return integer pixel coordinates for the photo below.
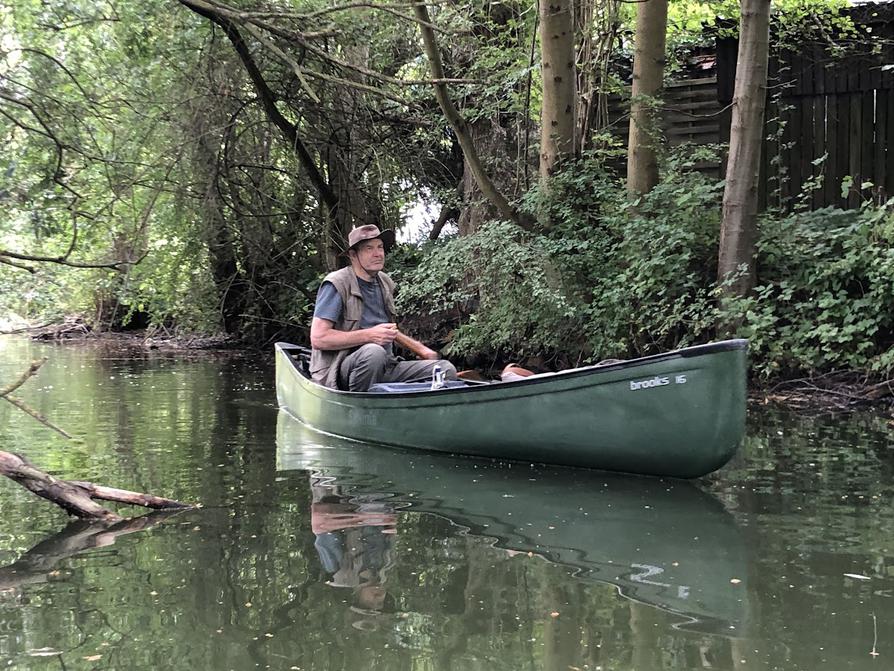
(324, 364)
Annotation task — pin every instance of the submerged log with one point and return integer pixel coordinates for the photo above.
(75, 497)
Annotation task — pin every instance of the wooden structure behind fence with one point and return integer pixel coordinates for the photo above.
(828, 117)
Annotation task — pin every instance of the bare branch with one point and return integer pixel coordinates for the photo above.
(126, 496)
(63, 261)
(20, 266)
(24, 407)
(32, 370)
(74, 497)
(390, 9)
(288, 59)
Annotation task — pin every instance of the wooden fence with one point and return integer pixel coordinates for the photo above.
(829, 117)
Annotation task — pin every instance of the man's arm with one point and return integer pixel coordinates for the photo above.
(324, 337)
(415, 347)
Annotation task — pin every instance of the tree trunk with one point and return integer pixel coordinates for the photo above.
(559, 105)
(473, 162)
(596, 28)
(347, 168)
(648, 76)
(498, 143)
(229, 282)
(738, 231)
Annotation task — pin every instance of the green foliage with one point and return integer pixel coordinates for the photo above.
(607, 279)
(616, 279)
(507, 286)
(140, 132)
(826, 294)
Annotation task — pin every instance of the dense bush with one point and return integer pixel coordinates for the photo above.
(608, 278)
(826, 294)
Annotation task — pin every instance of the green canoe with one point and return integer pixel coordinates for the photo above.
(680, 414)
(663, 543)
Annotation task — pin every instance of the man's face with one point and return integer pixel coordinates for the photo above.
(370, 254)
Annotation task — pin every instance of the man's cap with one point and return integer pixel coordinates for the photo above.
(370, 232)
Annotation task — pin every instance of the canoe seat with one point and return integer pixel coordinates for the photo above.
(404, 387)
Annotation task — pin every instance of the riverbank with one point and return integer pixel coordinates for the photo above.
(836, 391)
(76, 330)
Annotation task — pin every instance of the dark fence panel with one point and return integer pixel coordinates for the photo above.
(829, 116)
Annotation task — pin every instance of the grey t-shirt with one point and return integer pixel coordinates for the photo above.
(329, 304)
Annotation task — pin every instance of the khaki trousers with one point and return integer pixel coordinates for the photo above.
(370, 364)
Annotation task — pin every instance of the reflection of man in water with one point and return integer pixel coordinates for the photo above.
(354, 541)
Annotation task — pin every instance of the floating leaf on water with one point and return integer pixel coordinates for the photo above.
(44, 652)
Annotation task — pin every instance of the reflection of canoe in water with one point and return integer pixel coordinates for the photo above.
(667, 544)
(680, 414)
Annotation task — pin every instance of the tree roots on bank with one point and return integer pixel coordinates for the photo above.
(75, 497)
(837, 391)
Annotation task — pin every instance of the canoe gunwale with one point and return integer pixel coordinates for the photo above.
(546, 378)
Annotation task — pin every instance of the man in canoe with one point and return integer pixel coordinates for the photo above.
(353, 333)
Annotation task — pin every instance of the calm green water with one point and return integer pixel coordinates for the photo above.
(312, 553)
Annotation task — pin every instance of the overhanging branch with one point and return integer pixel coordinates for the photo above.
(459, 126)
(268, 101)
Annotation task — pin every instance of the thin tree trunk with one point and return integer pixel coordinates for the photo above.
(559, 104)
(648, 76)
(229, 281)
(448, 213)
(738, 231)
(597, 27)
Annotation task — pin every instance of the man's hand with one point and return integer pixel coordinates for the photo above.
(382, 334)
(324, 337)
(427, 353)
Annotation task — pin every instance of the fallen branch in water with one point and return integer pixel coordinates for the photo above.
(75, 497)
(24, 407)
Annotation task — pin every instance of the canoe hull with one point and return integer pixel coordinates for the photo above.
(680, 414)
